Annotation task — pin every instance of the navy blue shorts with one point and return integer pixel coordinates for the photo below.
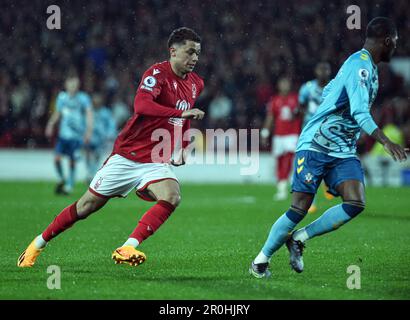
(70, 148)
(311, 167)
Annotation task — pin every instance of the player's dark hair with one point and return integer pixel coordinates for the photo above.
(180, 35)
(380, 27)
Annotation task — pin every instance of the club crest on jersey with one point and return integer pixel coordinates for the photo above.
(308, 178)
(193, 91)
(180, 105)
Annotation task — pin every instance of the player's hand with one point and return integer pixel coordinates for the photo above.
(179, 159)
(264, 142)
(87, 139)
(195, 114)
(396, 151)
(49, 132)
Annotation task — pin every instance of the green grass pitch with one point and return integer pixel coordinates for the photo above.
(203, 251)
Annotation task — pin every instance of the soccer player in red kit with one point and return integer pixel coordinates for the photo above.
(164, 100)
(281, 112)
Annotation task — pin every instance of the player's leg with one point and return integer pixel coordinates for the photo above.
(167, 195)
(79, 210)
(285, 225)
(345, 179)
(92, 157)
(74, 155)
(282, 185)
(308, 172)
(60, 173)
(69, 186)
(280, 232)
(352, 192)
(59, 150)
(88, 163)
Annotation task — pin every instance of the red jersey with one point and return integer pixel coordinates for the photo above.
(282, 109)
(160, 100)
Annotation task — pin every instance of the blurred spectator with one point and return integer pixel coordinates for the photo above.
(220, 111)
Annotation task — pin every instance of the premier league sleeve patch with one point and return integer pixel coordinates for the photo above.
(363, 76)
(149, 83)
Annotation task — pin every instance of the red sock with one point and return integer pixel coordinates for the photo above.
(63, 221)
(284, 166)
(280, 168)
(152, 220)
(288, 164)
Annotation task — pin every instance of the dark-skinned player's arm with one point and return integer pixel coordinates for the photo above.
(359, 108)
(396, 151)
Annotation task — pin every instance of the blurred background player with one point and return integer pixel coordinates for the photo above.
(310, 97)
(310, 93)
(281, 113)
(163, 104)
(327, 150)
(73, 112)
(102, 139)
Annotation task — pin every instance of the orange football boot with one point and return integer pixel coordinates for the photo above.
(29, 256)
(128, 255)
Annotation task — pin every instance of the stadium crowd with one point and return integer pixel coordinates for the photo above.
(247, 46)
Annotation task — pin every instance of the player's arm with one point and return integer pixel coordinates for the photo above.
(55, 117)
(89, 117)
(180, 154)
(147, 93)
(90, 125)
(144, 104)
(111, 127)
(267, 126)
(302, 99)
(396, 151)
(357, 89)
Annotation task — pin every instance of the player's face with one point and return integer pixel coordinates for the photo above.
(323, 71)
(97, 101)
(390, 45)
(72, 85)
(186, 56)
(284, 86)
